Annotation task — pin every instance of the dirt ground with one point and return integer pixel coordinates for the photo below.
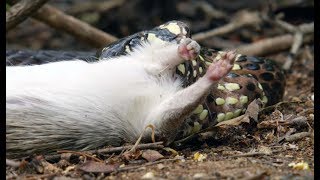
(270, 149)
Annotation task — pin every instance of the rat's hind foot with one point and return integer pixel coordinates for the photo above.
(188, 49)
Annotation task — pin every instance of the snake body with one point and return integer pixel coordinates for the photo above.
(250, 78)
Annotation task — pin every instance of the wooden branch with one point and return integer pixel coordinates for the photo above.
(299, 32)
(12, 163)
(81, 30)
(297, 136)
(156, 145)
(272, 45)
(94, 6)
(241, 19)
(21, 11)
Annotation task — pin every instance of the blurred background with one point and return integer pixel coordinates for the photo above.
(121, 18)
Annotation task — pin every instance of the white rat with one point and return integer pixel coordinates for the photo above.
(78, 105)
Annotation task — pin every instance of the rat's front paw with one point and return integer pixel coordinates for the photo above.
(188, 49)
(219, 69)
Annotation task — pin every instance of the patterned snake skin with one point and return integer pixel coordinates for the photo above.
(250, 78)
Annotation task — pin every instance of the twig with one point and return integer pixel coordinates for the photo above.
(94, 6)
(297, 136)
(260, 175)
(85, 154)
(242, 19)
(272, 45)
(21, 11)
(146, 164)
(61, 21)
(12, 163)
(156, 145)
(255, 154)
(42, 176)
(299, 32)
(210, 11)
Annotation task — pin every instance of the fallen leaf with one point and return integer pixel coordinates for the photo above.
(151, 155)
(253, 109)
(251, 112)
(264, 149)
(93, 166)
(199, 157)
(299, 166)
(235, 121)
(129, 155)
(172, 151)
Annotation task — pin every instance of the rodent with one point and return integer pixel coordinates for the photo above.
(80, 106)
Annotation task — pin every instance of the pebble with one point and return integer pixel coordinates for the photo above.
(148, 175)
(161, 166)
(311, 116)
(200, 176)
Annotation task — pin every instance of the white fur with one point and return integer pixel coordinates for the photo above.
(86, 105)
(79, 105)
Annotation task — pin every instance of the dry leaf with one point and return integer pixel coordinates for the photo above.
(199, 157)
(264, 149)
(129, 155)
(93, 166)
(172, 151)
(235, 121)
(253, 109)
(151, 155)
(251, 112)
(299, 166)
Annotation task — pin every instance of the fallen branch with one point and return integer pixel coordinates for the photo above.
(21, 11)
(272, 45)
(84, 154)
(297, 136)
(279, 104)
(12, 163)
(242, 19)
(81, 30)
(255, 154)
(94, 6)
(156, 145)
(299, 33)
(146, 164)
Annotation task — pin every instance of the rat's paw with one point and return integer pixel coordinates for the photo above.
(219, 69)
(188, 49)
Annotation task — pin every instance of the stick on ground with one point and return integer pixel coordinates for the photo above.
(21, 11)
(81, 30)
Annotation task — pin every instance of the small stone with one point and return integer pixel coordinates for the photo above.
(296, 99)
(311, 116)
(200, 176)
(161, 166)
(148, 175)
